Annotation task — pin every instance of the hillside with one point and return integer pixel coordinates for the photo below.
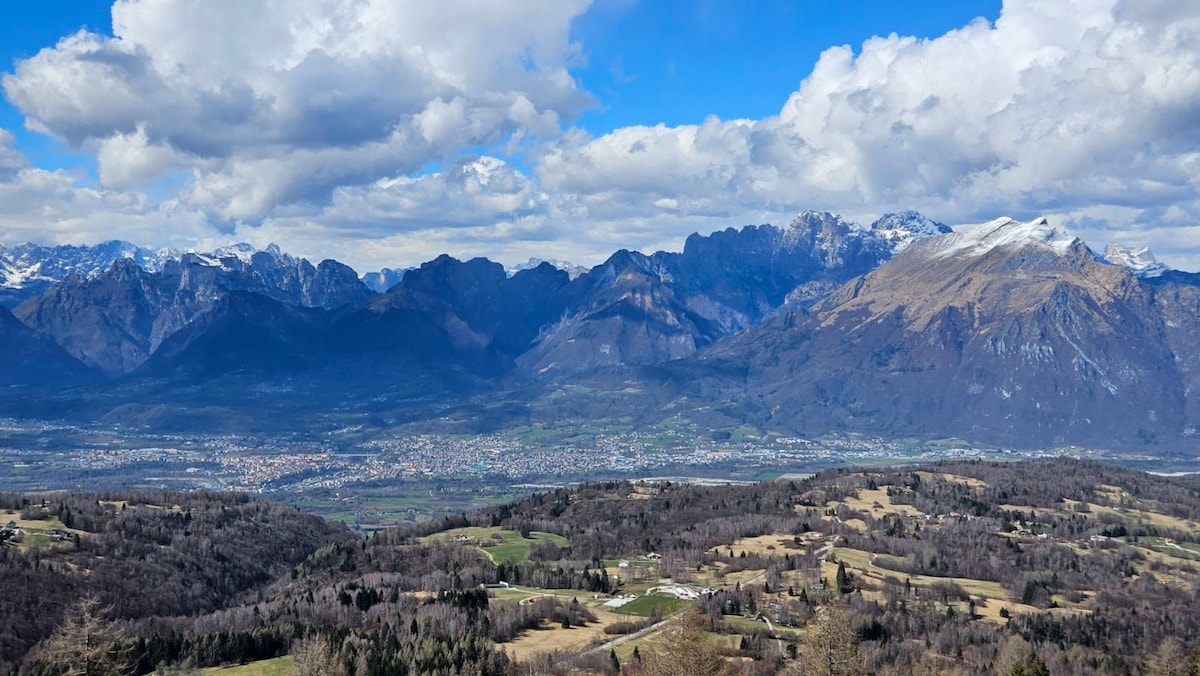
(1059, 566)
(140, 555)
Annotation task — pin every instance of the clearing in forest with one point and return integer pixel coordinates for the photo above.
(34, 531)
(877, 502)
(552, 636)
(280, 666)
(501, 545)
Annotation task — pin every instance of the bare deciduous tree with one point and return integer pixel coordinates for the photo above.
(313, 656)
(686, 649)
(830, 645)
(1171, 659)
(86, 643)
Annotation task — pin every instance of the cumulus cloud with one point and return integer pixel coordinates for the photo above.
(57, 207)
(275, 103)
(313, 124)
(11, 161)
(1057, 107)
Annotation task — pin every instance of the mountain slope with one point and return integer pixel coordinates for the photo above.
(242, 332)
(32, 359)
(639, 310)
(620, 313)
(1010, 332)
(106, 321)
(468, 313)
(116, 319)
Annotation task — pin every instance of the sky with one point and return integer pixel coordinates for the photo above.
(385, 132)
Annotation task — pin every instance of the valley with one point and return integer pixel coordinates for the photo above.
(373, 478)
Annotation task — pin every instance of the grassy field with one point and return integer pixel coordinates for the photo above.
(551, 635)
(503, 546)
(1180, 550)
(34, 530)
(877, 503)
(645, 606)
(280, 666)
(991, 596)
(954, 478)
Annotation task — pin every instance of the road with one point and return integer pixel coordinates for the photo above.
(635, 635)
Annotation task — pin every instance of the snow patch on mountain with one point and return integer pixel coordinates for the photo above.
(977, 240)
(244, 253)
(903, 228)
(1141, 261)
(24, 265)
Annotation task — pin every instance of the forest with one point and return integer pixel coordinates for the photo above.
(1052, 566)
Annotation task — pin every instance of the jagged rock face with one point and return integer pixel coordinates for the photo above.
(738, 277)
(568, 267)
(115, 320)
(1017, 336)
(276, 276)
(1140, 261)
(903, 228)
(639, 310)
(620, 313)
(243, 332)
(466, 312)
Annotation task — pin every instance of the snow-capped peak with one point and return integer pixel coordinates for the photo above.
(241, 251)
(244, 253)
(1139, 261)
(977, 240)
(35, 266)
(570, 268)
(903, 228)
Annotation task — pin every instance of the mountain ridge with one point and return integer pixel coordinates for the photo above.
(1009, 332)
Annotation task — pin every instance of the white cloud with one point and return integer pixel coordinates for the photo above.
(55, 207)
(11, 161)
(310, 124)
(1057, 107)
(274, 103)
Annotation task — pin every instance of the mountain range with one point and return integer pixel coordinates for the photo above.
(1007, 332)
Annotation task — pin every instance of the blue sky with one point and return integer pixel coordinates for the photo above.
(677, 62)
(26, 28)
(383, 133)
